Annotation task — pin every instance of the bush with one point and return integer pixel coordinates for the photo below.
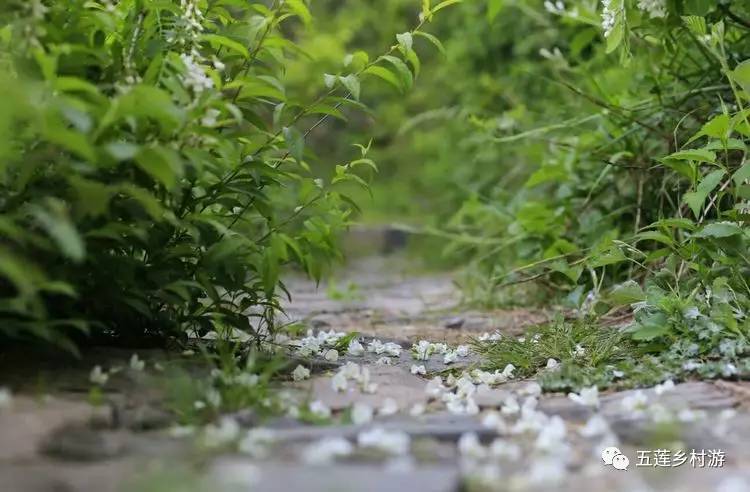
(153, 170)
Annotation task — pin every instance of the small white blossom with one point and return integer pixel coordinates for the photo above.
(664, 387)
(654, 8)
(218, 435)
(320, 409)
(137, 364)
(256, 442)
(326, 450)
(98, 376)
(339, 382)
(332, 355)
(588, 397)
(417, 409)
(300, 373)
(361, 414)
(355, 348)
(391, 442)
(552, 364)
(390, 407)
(635, 403)
(595, 426)
(415, 369)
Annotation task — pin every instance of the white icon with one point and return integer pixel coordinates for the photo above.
(613, 456)
(620, 462)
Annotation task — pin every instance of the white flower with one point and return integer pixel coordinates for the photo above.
(595, 426)
(417, 409)
(609, 17)
(508, 371)
(209, 119)
(339, 382)
(331, 355)
(97, 376)
(300, 373)
(490, 337)
(434, 388)
(635, 403)
(728, 370)
(493, 420)
(664, 387)
(552, 435)
(510, 406)
(320, 409)
(391, 442)
(450, 357)
(470, 447)
(195, 77)
(256, 441)
(654, 8)
(552, 364)
(6, 398)
(547, 470)
(531, 389)
(415, 369)
(137, 364)
(390, 407)
(326, 450)
(355, 348)
(462, 351)
(421, 350)
(246, 379)
(588, 397)
(218, 435)
(361, 414)
(579, 350)
(500, 448)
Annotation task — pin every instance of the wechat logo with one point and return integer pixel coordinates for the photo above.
(613, 456)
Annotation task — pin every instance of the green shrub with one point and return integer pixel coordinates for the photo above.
(154, 176)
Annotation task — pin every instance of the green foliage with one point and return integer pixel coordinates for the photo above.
(154, 171)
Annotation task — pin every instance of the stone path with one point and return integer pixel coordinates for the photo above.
(52, 438)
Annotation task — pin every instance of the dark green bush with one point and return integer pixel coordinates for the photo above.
(153, 170)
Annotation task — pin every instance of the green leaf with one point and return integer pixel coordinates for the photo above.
(493, 9)
(700, 155)
(609, 257)
(386, 75)
(651, 327)
(217, 41)
(351, 82)
(55, 221)
(403, 71)
(741, 75)
(627, 293)
(300, 10)
(432, 39)
(742, 174)
(696, 199)
(443, 4)
(162, 163)
(295, 142)
(719, 230)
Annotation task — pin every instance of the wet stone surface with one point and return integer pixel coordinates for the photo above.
(392, 430)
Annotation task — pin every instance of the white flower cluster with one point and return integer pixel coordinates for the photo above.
(195, 77)
(353, 372)
(189, 25)
(388, 349)
(654, 8)
(316, 344)
(609, 16)
(424, 349)
(327, 450)
(490, 337)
